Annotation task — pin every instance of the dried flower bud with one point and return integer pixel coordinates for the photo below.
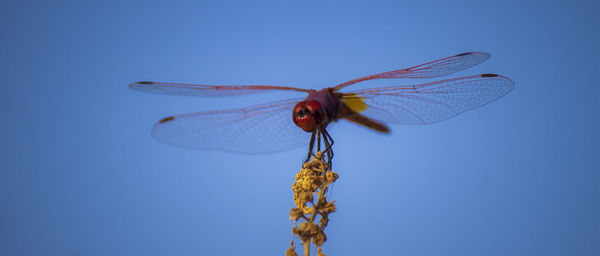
(296, 214)
(292, 250)
(331, 177)
(319, 238)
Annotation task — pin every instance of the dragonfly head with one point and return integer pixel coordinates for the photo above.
(308, 115)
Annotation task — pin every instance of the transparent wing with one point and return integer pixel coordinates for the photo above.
(206, 90)
(435, 101)
(257, 129)
(436, 68)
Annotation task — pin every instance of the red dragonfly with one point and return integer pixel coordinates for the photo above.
(270, 127)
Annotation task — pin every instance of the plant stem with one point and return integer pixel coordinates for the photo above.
(307, 248)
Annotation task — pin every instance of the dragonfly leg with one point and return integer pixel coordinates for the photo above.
(328, 136)
(310, 146)
(319, 140)
(328, 140)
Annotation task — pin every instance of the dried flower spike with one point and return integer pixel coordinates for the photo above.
(311, 183)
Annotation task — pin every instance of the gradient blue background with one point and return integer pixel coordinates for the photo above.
(81, 174)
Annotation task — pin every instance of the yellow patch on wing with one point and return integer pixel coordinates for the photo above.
(355, 102)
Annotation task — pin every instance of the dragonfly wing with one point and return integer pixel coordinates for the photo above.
(432, 102)
(436, 68)
(206, 90)
(257, 129)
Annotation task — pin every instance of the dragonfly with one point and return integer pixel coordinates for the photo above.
(291, 123)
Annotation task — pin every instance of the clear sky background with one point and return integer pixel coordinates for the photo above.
(81, 174)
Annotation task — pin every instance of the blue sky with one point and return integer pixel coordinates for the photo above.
(81, 174)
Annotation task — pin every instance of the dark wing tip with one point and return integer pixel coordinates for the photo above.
(134, 85)
(166, 119)
(488, 75)
(477, 53)
(464, 53)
